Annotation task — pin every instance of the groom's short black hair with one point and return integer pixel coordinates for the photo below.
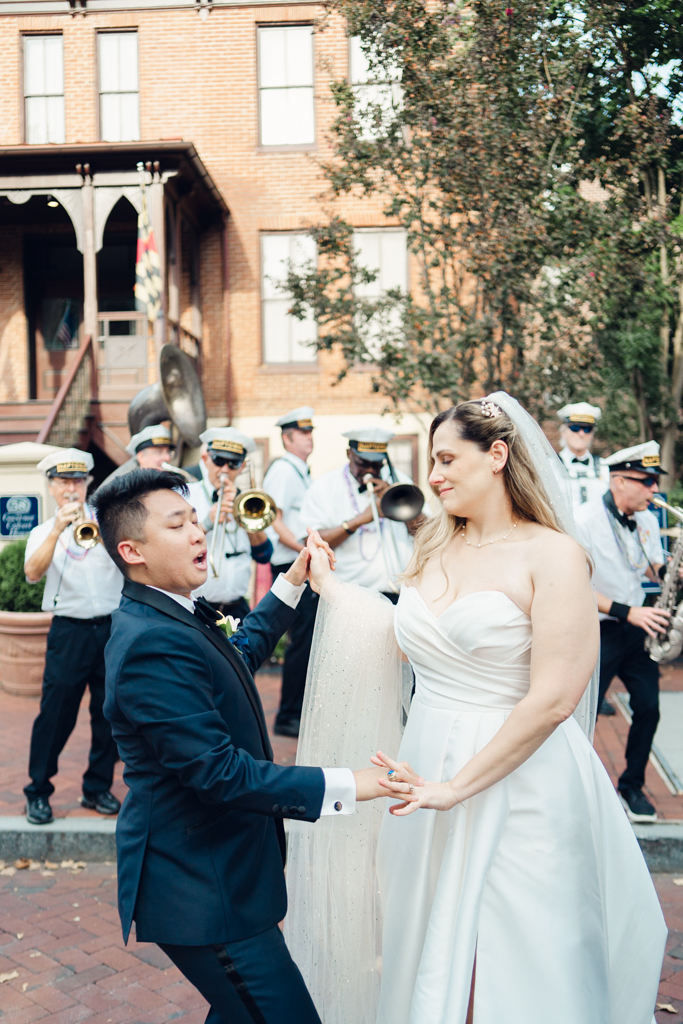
(121, 510)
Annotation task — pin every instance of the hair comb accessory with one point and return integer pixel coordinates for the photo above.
(490, 409)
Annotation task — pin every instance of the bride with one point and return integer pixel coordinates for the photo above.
(512, 887)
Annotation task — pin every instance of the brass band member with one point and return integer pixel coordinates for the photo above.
(82, 588)
(622, 538)
(588, 474)
(150, 448)
(224, 458)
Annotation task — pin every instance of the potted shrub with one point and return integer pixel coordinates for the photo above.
(23, 626)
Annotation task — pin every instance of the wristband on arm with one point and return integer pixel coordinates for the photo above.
(619, 611)
(662, 571)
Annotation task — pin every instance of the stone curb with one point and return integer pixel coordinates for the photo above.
(84, 838)
(662, 845)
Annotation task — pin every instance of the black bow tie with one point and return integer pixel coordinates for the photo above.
(204, 611)
(626, 521)
(582, 462)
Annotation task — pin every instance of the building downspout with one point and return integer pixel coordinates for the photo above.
(227, 345)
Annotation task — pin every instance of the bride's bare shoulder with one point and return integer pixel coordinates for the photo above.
(555, 551)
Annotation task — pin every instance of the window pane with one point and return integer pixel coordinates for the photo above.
(128, 61)
(34, 65)
(366, 244)
(272, 64)
(302, 332)
(36, 120)
(287, 117)
(276, 252)
(358, 69)
(393, 260)
(276, 331)
(274, 117)
(285, 337)
(130, 117)
(54, 65)
(109, 62)
(300, 116)
(299, 56)
(110, 117)
(55, 118)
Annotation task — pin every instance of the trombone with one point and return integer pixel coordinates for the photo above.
(253, 510)
(400, 503)
(86, 531)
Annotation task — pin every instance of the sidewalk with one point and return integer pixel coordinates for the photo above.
(62, 959)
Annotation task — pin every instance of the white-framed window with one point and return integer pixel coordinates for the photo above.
(285, 338)
(119, 97)
(384, 250)
(44, 88)
(374, 90)
(286, 101)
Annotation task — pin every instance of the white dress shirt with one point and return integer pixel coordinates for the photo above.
(81, 583)
(340, 785)
(235, 565)
(287, 481)
(588, 477)
(334, 499)
(620, 556)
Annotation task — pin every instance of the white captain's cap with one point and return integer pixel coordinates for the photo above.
(581, 413)
(70, 463)
(300, 419)
(156, 436)
(642, 457)
(227, 443)
(370, 443)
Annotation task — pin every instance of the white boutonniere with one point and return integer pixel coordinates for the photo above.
(228, 625)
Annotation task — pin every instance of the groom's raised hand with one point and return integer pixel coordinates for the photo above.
(322, 559)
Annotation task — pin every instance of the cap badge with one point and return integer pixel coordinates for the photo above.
(304, 424)
(220, 444)
(583, 417)
(650, 460)
(371, 446)
(71, 467)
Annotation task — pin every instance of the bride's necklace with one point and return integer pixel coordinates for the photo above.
(494, 541)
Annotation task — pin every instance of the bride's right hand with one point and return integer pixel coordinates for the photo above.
(411, 788)
(322, 560)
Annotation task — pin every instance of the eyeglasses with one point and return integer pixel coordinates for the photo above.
(220, 460)
(646, 481)
(577, 427)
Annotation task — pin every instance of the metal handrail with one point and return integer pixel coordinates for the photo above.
(60, 410)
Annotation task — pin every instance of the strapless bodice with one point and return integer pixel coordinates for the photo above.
(475, 655)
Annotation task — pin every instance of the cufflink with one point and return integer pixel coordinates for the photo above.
(338, 805)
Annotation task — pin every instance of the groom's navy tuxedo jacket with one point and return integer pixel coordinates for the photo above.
(200, 837)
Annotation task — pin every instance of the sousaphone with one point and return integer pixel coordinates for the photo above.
(177, 396)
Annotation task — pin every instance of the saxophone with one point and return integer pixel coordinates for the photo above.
(668, 646)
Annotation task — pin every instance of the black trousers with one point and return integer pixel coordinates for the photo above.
(297, 654)
(74, 660)
(253, 981)
(239, 609)
(623, 654)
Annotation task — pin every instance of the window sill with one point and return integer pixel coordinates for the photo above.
(289, 368)
(307, 147)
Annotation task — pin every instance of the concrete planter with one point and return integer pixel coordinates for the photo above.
(23, 642)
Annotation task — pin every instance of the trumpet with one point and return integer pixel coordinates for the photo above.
(253, 510)
(86, 531)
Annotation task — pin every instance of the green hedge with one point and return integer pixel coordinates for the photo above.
(16, 595)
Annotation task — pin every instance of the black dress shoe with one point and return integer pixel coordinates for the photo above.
(637, 805)
(289, 727)
(607, 709)
(103, 803)
(38, 811)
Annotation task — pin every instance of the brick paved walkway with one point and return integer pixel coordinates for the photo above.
(62, 959)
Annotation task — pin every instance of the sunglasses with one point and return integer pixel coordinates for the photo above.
(646, 481)
(220, 460)
(577, 427)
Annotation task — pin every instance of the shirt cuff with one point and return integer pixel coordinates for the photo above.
(287, 592)
(340, 792)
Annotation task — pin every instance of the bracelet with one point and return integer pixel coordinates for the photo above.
(345, 526)
(619, 611)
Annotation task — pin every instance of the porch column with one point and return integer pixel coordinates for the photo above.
(174, 265)
(157, 212)
(89, 256)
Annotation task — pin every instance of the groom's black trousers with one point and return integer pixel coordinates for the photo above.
(253, 981)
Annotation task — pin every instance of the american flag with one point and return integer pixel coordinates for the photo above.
(147, 268)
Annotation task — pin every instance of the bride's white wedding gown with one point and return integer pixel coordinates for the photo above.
(540, 875)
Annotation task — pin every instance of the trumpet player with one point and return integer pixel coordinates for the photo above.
(339, 506)
(222, 462)
(82, 589)
(151, 448)
(623, 540)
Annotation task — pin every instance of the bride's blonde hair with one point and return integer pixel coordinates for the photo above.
(474, 422)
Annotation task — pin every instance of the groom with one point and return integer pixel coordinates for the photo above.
(200, 837)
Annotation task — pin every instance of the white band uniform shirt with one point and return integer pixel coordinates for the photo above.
(84, 581)
(335, 498)
(340, 785)
(234, 576)
(287, 481)
(620, 555)
(588, 476)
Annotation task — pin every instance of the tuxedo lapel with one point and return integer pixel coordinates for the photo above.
(162, 603)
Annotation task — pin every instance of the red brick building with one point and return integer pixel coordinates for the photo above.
(226, 107)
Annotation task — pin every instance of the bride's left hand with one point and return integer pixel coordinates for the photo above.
(411, 788)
